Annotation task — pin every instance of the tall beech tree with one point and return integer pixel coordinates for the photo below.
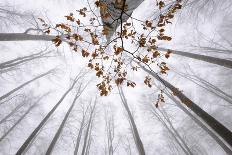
(39, 127)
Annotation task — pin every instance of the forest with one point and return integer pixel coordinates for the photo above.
(116, 77)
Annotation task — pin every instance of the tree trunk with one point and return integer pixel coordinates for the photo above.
(219, 128)
(23, 85)
(208, 86)
(21, 60)
(138, 141)
(209, 59)
(79, 135)
(175, 131)
(25, 37)
(12, 112)
(88, 130)
(170, 131)
(59, 131)
(202, 125)
(21, 118)
(38, 128)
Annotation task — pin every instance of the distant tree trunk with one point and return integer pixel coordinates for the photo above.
(175, 131)
(137, 139)
(208, 86)
(21, 118)
(23, 85)
(89, 140)
(78, 140)
(59, 131)
(170, 131)
(12, 112)
(88, 129)
(219, 128)
(202, 125)
(21, 60)
(38, 128)
(25, 37)
(109, 127)
(209, 59)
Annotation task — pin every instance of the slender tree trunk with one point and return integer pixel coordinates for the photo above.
(21, 118)
(12, 112)
(59, 131)
(89, 140)
(209, 59)
(175, 131)
(202, 125)
(170, 131)
(209, 87)
(21, 60)
(39, 127)
(24, 37)
(138, 141)
(78, 140)
(88, 130)
(24, 84)
(219, 128)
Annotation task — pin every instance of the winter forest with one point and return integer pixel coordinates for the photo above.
(116, 77)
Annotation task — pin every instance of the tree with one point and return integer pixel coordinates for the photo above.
(38, 128)
(23, 116)
(87, 136)
(200, 123)
(209, 59)
(57, 135)
(134, 129)
(25, 84)
(219, 128)
(11, 64)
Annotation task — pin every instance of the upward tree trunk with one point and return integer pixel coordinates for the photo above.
(24, 37)
(88, 130)
(175, 131)
(12, 112)
(209, 59)
(23, 85)
(137, 139)
(208, 86)
(78, 140)
(202, 125)
(21, 60)
(21, 118)
(219, 128)
(38, 128)
(170, 131)
(59, 131)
